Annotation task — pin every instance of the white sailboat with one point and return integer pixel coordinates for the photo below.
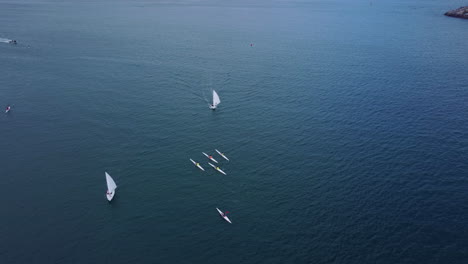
(111, 186)
(216, 101)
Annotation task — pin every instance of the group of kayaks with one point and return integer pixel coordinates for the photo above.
(212, 159)
(217, 168)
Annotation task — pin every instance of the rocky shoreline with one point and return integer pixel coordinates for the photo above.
(461, 12)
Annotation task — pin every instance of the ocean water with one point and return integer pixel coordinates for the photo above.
(345, 123)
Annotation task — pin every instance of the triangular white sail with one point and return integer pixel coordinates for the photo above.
(216, 100)
(111, 186)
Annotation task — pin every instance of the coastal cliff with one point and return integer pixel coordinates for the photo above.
(461, 12)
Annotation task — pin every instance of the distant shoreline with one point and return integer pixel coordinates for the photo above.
(461, 12)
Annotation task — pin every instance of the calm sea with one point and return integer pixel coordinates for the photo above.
(345, 122)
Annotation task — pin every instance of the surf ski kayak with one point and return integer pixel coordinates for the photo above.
(210, 157)
(223, 215)
(217, 168)
(197, 164)
(222, 155)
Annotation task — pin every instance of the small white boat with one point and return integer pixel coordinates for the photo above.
(197, 164)
(111, 186)
(210, 157)
(222, 155)
(216, 101)
(7, 109)
(217, 168)
(223, 215)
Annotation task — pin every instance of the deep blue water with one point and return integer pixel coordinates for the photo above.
(345, 123)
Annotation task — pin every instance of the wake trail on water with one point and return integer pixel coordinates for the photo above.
(204, 97)
(4, 40)
(203, 91)
(209, 85)
(199, 92)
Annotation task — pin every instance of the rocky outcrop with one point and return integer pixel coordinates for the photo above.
(461, 12)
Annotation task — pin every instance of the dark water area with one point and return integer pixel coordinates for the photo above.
(345, 123)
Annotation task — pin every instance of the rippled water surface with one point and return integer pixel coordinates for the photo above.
(345, 123)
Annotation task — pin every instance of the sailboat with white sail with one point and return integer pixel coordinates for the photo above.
(111, 186)
(216, 101)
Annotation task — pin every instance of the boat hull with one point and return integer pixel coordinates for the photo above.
(208, 156)
(222, 155)
(219, 170)
(223, 216)
(194, 163)
(110, 196)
